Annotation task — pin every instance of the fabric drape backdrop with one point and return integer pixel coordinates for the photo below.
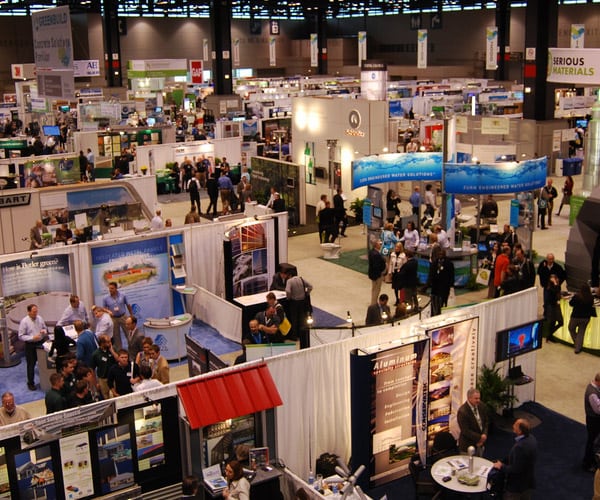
(315, 384)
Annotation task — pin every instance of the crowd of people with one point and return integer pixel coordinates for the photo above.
(97, 366)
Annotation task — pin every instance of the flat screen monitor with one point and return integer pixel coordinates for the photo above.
(151, 121)
(158, 109)
(65, 109)
(377, 212)
(518, 340)
(51, 130)
(581, 123)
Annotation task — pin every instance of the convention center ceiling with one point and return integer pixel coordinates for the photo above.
(261, 9)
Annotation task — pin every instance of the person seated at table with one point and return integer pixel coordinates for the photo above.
(489, 209)
(254, 335)
(116, 174)
(63, 234)
(272, 302)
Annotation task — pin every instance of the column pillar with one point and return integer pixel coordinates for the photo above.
(220, 14)
(541, 24)
(321, 19)
(503, 24)
(112, 44)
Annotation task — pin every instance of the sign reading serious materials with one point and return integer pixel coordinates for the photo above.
(579, 66)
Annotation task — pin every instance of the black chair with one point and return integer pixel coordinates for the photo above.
(444, 445)
(424, 484)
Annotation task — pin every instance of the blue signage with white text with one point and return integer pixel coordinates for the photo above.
(377, 169)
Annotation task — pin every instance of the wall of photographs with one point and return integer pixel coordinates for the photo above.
(138, 445)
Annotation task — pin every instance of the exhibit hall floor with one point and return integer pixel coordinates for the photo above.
(561, 376)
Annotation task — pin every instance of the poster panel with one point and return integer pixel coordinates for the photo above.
(35, 470)
(396, 167)
(78, 481)
(491, 48)
(50, 172)
(141, 270)
(452, 371)
(577, 36)
(4, 480)
(115, 458)
(421, 49)
(495, 178)
(41, 280)
(149, 438)
(399, 381)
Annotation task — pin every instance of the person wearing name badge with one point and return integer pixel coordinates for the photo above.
(473, 422)
(74, 311)
(32, 331)
(117, 305)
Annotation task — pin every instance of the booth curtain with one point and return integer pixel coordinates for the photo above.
(315, 383)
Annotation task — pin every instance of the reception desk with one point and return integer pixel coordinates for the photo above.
(169, 334)
(591, 341)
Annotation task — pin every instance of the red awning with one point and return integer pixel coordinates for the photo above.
(235, 393)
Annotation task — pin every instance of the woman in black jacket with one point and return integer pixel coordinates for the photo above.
(61, 344)
(553, 317)
(583, 309)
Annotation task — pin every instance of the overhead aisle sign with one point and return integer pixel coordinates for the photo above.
(574, 66)
(53, 52)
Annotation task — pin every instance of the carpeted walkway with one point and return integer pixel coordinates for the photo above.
(559, 476)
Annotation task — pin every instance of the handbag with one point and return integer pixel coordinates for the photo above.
(483, 276)
(285, 326)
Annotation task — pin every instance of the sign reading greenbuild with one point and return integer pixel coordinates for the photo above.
(578, 66)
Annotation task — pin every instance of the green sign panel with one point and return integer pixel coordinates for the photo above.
(576, 204)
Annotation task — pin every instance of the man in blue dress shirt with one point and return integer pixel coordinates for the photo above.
(74, 311)
(116, 304)
(32, 331)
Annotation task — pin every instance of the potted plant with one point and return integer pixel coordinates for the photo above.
(494, 389)
(357, 207)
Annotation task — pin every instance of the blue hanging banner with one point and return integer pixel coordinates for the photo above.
(495, 178)
(377, 169)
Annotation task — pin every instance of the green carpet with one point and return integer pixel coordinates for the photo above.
(352, 259)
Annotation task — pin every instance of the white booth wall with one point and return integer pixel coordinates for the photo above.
(319, 119)
(314, 384)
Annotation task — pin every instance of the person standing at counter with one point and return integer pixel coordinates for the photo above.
(583, 309)
(32, 331)
(74, 311)
(500, 268)
(35, 235)
(117, 305)
(62, 345)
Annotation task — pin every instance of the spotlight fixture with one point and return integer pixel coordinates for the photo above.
(348, 317)
(384, 315)
(309, 319)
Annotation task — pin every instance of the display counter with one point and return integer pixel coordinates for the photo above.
(465, 264)
(165, 182)
(591, 339)
(253, 304)
(169, 334)
(263, 486)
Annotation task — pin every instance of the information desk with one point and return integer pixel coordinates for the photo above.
(253, 304)
(452, 467)
(169, 334)
(592, 333)
(263, 486)
(465, 264)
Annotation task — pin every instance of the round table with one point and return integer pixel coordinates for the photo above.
(444, 467)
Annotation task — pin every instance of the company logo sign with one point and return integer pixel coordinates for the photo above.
(196, 71)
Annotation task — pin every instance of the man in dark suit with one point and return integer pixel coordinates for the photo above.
(375, 312)
(35, 235)
(377, 267)
(473, 423)
(519, 468)
(547, 267)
